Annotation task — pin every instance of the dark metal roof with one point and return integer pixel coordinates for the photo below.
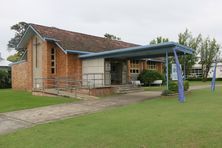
(147, 51)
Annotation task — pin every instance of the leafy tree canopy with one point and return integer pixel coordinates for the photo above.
(209, 53)
(112, 37)
(187, 39)
(205, 48)
(19, 29)
(159, 40)
(14, 58)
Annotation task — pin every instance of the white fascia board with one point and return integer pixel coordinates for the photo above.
(61, 47)
(37, 33)
(30, 28)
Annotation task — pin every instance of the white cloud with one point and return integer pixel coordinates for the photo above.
(134, 21)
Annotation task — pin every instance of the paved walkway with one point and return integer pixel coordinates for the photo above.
(202, 87)
(12, 121)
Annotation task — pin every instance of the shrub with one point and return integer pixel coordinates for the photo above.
(173, 86)
(167, 92)
(186, 85)
(148, 76)
(5, 79)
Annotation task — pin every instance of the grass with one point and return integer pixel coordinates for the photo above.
(11, 100)
(198, 83)
(161, 122)
(154, 88)
(192, 83)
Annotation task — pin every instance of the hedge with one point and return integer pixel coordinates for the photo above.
(149, 76)
(5, 79)
(173, 86)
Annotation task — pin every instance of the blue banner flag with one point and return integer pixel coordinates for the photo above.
(214, 78)
(180, 78)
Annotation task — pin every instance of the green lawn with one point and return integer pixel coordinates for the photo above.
(155, 123)
(195, 83)
(11, 100)
(192, 83)
(154, 88)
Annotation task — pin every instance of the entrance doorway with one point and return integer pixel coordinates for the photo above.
(116, 73)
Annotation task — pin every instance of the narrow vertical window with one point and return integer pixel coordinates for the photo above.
(53, 60)
(36, 44)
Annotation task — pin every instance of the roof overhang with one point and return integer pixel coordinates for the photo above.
(30, 31)
(147, 51)
(78, 52)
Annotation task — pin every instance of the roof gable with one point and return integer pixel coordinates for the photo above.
(30, 31)
(69, 40)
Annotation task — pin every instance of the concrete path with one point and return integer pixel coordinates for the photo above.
(12, 121)
(201, 87)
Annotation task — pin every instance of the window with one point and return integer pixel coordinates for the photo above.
(35, 47)
(53, 60)
(196, 72)
(151, 65)
(134, 66)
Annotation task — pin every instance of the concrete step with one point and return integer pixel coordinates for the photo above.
(128, 89)
(78, 95)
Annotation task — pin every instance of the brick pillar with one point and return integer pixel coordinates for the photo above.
(128, 68)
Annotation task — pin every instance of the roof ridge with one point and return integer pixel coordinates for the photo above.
(33, 25)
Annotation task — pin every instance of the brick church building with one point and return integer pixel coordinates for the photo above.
(50, 52)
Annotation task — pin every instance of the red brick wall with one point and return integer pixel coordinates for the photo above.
(160, 67)
(103, 91)
(22, 72)
(67, 65)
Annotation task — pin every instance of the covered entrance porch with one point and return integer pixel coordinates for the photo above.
(140, 52)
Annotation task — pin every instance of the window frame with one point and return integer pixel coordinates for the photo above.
(134, 66)
(151, 65)
(53, 60)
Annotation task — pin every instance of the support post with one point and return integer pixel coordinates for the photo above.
(167, 70)
(184, 66)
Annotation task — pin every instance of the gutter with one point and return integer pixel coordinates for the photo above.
(78, 52)
(139, 48)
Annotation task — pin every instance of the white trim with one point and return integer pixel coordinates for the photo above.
(37, 33)
(19, 62)
(27, 30)
(23, 55)
(51, 39)
(61, 47)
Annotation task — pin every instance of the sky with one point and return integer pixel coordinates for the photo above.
(136, 21)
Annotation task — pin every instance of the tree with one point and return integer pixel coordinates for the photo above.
(159, 40)
(111, 37)
(15, 57)
(5, 79)
(186, 38)
(19, 29)
(209, 52)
